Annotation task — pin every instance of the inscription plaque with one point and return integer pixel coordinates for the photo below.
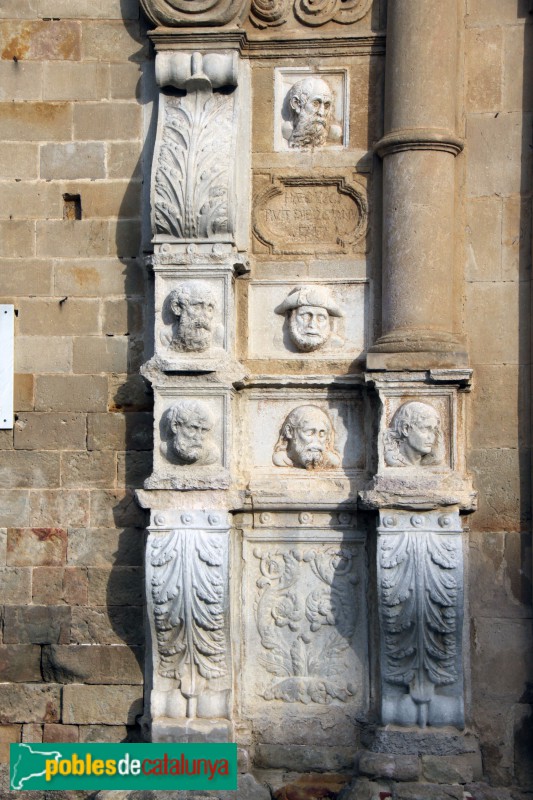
(295, 216)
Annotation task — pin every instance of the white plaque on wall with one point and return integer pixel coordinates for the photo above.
(7, 316)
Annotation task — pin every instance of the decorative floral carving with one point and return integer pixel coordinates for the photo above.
(191, 187)
(318, 12)
(189, 593)
(419, 586)
(314, 623)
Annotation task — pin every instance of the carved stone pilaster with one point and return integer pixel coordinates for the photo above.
(420, 590)
(188, 610)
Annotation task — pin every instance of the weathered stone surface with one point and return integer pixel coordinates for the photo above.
(52, 732)
(35, 121)
(248, 789)
(92, 664)
(24, 392)
(304, 758)
(72, 160)
(15, 585)
(426, 791)
(312, 787)
(362, 789)
(92, 470)
(40, 40)
(503, 657)
(103, 547)
(109, 354)
(382, 765)
(24, 469)
(118, 508)
(492, 138)
(502, 554)
(36, 547)
(482, 791)
(446, 769)
(63, 507)
(104, 121)
(89, 278)
(117, 431)
(133, 468)
(103, 40)
(503, 501)
(19, 160)
(32, 732)
(129, 394)
(484, 69)
(42, 354)
(415, 742)
(29, 703)
(73, 239)
(20, 663)
(56, 585)
(73, 81)
(45, 202)
(85, 705)
(36, 625)
(113, 625)
(104, 733)
(50, 431)
(14, 507)
(121, 586)
(71, 393)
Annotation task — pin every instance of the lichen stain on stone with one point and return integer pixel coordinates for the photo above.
(49, 534)
(17, 47)
(86, 276)
(44, 40)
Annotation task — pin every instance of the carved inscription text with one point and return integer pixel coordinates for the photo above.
(310, 217)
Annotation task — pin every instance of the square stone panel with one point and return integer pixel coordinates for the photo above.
(193, 317)
(270, 335)
(324, 96)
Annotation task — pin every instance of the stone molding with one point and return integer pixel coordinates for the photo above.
(419, 139)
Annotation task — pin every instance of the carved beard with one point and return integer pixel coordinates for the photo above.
(189, 455)
(309, 132)
(308, 457)
(193, 335)
(306, 342)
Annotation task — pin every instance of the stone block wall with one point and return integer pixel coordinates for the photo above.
(72, 539)
(496, 316)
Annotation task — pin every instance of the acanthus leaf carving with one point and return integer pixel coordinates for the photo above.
(419, 588)
(191, 195)
(189, 594)
(313, 627)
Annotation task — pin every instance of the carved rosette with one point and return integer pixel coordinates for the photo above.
(191, 189)
(187, 581)
(184, 13)
(421, 611)
(306, 620)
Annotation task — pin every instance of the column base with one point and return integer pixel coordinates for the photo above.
(417, 349)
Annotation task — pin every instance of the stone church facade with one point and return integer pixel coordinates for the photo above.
(268, 475)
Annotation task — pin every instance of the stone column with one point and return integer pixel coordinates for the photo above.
(418, 151)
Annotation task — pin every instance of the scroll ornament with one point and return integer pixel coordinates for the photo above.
(184, 13)
(310, 12)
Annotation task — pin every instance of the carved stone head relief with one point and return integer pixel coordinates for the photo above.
(190, 423)
(308, 310)
(414, 438)
(193, 305)
(307, 440)
(310, 102)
